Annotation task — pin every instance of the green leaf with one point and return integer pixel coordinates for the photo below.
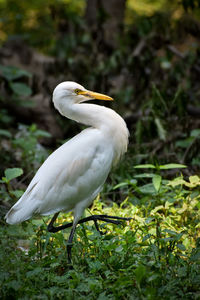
(11, 73)
(149, 220)
(125, 183)
(34, 272)
(26, 103)
(119, 248)
(42, 133)
(14, 285)
(172, 166)
(181, 247)
(161, 131)
(195, 256)
(121, 184)
(171, 232)
(157, 181)
(146, 166)
(184, 143)
(21, 89)
(12, 173)
(140, 272)
(4, 180)
(17, 193)
(195, 133)
(146, 237)
(153, 277)
(176, 181)
(5, 133)
(147, 189)
(145, 175)
(194, 179)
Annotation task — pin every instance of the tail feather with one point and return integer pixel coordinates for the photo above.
(15, 216)
(24, 208)
(20, 212)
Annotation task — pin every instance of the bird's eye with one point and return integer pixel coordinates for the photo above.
(77, 91)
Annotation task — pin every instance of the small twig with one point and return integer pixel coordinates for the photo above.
(141, 44)
(175, 51)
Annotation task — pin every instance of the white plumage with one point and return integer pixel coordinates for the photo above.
(74, 174)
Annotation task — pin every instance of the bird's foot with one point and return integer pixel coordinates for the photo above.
(113, 217)
(108, 219)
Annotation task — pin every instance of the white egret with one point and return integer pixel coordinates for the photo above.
(74, 174)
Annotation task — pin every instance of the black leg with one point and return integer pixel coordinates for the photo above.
(94, 218)
(114, 217)
(69, 244)
(54, 229)
(50, 226)
(97, 227)
(109, 219)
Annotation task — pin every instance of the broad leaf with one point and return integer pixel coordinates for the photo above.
(195, 133)
(147, 189)
(194, 179)
(21, 89)
(157, 181)
(12, 173)
(181, 246)
(17, 193)
(11, 73)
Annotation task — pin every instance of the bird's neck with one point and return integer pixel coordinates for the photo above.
(97, 116)
(89, 114)
(106, 120)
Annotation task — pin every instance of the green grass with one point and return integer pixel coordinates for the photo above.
(154, 256)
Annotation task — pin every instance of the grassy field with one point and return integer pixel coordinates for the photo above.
(156, 255)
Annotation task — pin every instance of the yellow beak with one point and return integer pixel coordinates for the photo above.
(94, 95)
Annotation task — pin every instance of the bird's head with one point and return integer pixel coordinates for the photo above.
(75, 93)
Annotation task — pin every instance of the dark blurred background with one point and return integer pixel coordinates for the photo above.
(145, 54)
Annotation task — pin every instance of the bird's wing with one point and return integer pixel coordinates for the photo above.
(75, 172)
(71, 174)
